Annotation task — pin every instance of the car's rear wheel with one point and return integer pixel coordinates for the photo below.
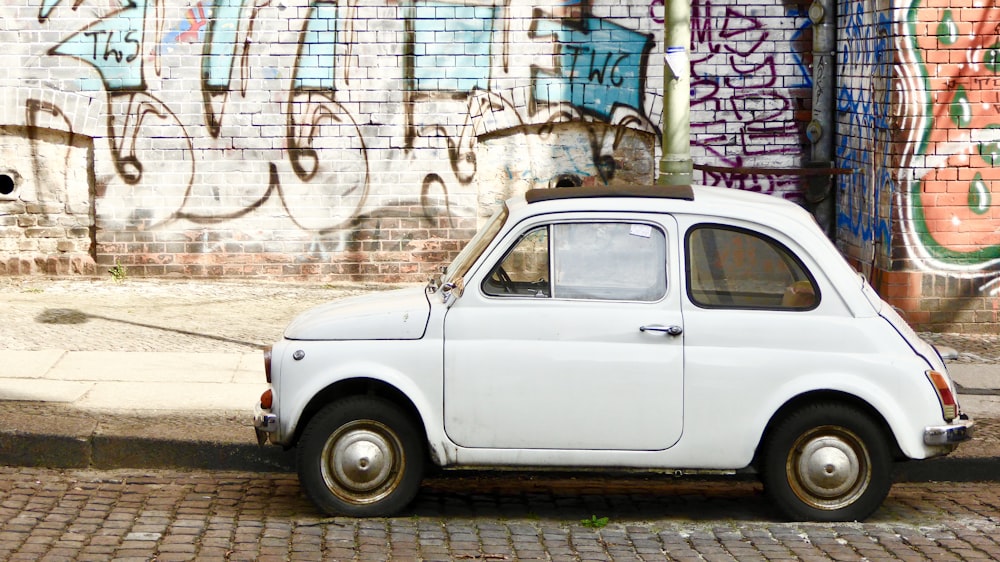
(362, 457)
(827, 462)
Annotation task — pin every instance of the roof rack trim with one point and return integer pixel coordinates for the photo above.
(683, 192)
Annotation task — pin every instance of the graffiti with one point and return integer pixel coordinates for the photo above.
(656, 8)
(863, 100)
(740, 114)
(953, 112)
(456, 67)
(38, 115)
(598, 66)
(292, 126)
(325, 146)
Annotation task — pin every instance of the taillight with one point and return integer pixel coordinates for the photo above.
(949, 407)
(267, 399)
(267, 364)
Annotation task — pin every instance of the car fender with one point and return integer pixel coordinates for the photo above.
(905, 425)
(415, 378)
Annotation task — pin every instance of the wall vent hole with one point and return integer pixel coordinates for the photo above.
(6, 184)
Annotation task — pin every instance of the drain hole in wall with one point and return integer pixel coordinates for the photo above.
(6, 184)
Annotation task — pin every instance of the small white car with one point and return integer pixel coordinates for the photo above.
(667, 329)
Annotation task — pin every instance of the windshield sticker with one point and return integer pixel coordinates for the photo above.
(643, 230)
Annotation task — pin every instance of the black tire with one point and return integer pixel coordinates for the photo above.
(362, 457)
(827, 462)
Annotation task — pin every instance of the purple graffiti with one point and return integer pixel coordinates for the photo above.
(739, 115)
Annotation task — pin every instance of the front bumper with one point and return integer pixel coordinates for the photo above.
(951, 434)
(265, 424)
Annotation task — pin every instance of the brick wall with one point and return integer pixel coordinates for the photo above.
(366, 140)
(46, 215)
(919, 121)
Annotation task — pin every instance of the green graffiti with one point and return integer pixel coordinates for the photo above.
(961, 110)
(947, 31)
(990, 151)
(991, 58)
(979, 195)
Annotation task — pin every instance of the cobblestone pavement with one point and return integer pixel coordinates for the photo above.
(82, 314)
(166, 516)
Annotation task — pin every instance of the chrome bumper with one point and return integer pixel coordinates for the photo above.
(951, 434)
(265, 424)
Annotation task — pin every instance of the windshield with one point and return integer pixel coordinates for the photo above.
(475, 247)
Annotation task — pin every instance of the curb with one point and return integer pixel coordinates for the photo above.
(104, 452)
(113, 452)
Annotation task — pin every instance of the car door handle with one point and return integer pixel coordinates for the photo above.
(669, 330)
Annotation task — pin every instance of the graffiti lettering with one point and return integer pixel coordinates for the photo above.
(623, 52)
(738, 115)
(110, 43)
(596, 70)
(656, 11)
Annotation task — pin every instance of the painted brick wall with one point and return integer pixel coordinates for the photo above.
(357, 140)
(919, 119)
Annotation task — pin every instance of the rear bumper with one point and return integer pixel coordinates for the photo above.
(951, 434)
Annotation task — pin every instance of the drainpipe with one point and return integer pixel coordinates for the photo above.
(820, 132)
(676, 166)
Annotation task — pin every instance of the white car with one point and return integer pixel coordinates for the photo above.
(677, 329)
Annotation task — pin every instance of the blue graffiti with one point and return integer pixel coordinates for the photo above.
(601, 65)
(865, 145)
(113, 45)
(314, 69)
(451, 47)
(804, 73)
(217, 65)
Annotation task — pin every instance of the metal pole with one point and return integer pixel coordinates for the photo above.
(819, 189)
(676, 165)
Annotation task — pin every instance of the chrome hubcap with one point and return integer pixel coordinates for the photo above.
(829, 468)
(362, 462)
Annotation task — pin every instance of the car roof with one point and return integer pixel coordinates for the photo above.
(698, 199)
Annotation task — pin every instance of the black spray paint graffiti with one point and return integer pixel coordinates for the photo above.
(323, 176)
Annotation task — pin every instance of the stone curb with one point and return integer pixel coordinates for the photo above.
(121, 452)
(110, 453)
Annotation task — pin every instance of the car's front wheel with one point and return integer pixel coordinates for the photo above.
(827, 462)
(361, 456)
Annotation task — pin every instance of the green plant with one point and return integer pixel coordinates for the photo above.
(117, 272)
(594, 522)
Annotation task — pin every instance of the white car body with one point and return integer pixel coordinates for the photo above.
(659, 383)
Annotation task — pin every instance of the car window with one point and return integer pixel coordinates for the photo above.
(524, 271)
(736, 268)
(598, 260)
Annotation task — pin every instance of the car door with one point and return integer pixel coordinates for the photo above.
(569, 336)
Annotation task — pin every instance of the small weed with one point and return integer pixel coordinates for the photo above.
(33, 290)
(594, 522)
(118, 272)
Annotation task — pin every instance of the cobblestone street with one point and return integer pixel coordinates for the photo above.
(165, 516)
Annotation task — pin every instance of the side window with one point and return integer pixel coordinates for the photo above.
(599, 261)
(524, 271)
(609, 261)
(736, 268)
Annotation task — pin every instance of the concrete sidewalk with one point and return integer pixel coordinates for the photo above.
(104, 409)
(78, 409)
(164, 373)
